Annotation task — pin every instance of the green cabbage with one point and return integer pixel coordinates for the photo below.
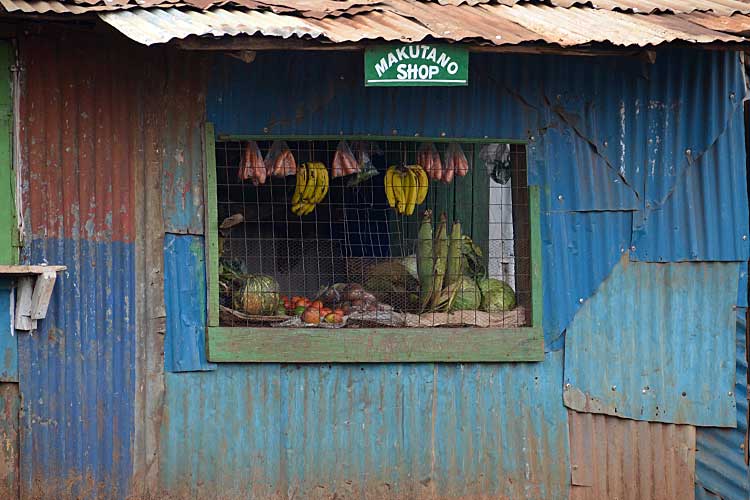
(497, 295)
(468, 295)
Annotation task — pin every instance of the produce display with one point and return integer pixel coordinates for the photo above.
(311, 187)
(437, 273)
(405, 187)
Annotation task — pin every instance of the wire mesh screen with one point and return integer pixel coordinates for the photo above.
(337, 234)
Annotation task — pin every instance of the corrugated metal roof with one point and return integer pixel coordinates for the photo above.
(371, 431)
(720, 460)
(405, 20)
(324, 8)
(675, 322)
(612, 458)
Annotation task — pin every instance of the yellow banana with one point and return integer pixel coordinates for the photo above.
(301, 181)
(312, 179)
(308, 209)
(389, 194)
(321, 188)
(411, 193)
(422, 183)
(398, 191)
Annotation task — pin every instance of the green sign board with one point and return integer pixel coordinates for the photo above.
(416, 65)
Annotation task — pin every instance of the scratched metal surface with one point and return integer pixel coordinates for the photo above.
(393, 431)
(656, 342)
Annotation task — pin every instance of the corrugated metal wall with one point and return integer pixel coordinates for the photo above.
(378, 431)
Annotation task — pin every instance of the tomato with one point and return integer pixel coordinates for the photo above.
(339, 311)
(317, 304)
(324, 311)
(300, 303)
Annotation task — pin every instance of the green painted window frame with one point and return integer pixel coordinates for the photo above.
(364, 345)
(9, 237)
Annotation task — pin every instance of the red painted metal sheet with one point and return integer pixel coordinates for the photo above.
(10, 405)
(79, 137)
(625, 459)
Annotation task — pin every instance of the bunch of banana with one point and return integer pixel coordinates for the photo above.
(405, 187)
(312, 187)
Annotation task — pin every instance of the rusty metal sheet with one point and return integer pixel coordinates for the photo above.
(409, 21)
(675, 323)
(626, 459)
(10, 406)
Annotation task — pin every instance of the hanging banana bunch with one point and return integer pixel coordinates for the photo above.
(311, 188)
(405, 187)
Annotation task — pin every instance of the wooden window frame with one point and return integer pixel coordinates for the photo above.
(364, 345)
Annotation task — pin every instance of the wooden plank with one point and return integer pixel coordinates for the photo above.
(10, 406)
(275, 345)
(43, 287)
(24, 292)
(212, 228)
(8, 227)
(537, 302)
(28, 270)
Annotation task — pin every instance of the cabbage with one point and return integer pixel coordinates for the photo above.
(468, 295)
(497, 295)
(258, 295)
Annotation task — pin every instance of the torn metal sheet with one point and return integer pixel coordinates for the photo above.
(675, 323)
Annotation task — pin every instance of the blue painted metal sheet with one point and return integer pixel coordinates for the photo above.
(657, 342)
(596, 128)
(412, 431)
(8, 345)
(185, 301)
(720, 461)
(705, 205)
(77, 375)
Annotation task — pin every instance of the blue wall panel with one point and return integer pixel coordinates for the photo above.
(77, 375)
(719, 460)
(368, 431)
(8, 345)
(657, 342)
(185, 301)
(604, 136)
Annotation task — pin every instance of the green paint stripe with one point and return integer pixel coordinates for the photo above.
(212, 228)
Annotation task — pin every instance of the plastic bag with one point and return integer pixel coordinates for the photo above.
(280, 161)
(455, 163)
(344, 162)
(363, 152)
(496, 158)
(429, 159)
(251, 165)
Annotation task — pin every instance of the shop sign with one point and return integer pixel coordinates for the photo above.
(416, 65)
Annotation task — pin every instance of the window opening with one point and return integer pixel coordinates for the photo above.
(333, 253)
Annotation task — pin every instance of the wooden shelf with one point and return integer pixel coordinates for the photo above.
(29, 270)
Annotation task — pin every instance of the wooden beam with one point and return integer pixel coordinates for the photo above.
(24, 291)
(373, 345)
(43, 287)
